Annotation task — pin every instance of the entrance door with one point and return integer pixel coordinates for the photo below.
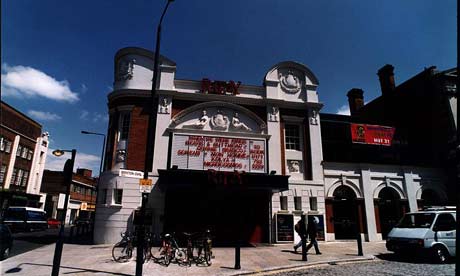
(389, 210)
(229, 216)
(344, 213)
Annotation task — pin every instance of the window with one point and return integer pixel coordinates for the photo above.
(2, 174)
(124, 125)
(25, 177)
(292, 137)
(19, 177)
(13, 176)
(36, 216)
(283, 202)
(24, 153)
(7, 146)
(117, 196)
(445, 222)
(19, 150)
(2, 144)
(30, 154)
(103, 196)
(298, 203)
(314, 203)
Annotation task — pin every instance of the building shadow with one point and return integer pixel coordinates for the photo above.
(18, 269)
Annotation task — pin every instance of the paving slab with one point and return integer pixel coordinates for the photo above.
(97, 260)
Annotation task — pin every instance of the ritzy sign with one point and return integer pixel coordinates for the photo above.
(220, 87)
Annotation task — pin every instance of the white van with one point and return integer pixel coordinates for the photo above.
(25, 219)
(431, 230)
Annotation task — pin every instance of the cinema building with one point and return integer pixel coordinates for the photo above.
(245, 161)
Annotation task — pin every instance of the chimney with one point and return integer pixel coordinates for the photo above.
(84, 172)
(355, 100)
(387, 79)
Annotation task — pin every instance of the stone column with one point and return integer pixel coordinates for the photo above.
(410, 187)
(368, 194)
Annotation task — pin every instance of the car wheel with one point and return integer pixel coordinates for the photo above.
(440, 254)
(6, 253)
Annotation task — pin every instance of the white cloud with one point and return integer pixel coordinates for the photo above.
(82, 160)
(43, 116)
(100, 117)
(343, 110)
(95, 116)
(24, 81)
(84, 114)
(83, 88)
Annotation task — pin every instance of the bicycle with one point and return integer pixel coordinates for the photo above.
(203, 245)
(205, 249)
(122, 251)
(169, 251)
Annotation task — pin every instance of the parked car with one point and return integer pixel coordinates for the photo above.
(6, 241)
(430, 231)
(24, 219)
(53, 223)
(82, 221)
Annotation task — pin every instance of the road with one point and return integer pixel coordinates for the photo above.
(24, 242)
(384, 265)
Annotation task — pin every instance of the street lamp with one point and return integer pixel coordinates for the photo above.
(103, 150)
(100, 166)
(68, 171)
(148, 162)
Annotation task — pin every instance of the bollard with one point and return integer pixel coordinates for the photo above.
(237, 255)
(304, 248)
(360, 244)
(71, 233)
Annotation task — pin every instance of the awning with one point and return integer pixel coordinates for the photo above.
(210, 179)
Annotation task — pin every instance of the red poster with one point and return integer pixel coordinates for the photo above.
(372, 134)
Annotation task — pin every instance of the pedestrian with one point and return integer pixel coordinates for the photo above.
(312, 231)
(301, 230)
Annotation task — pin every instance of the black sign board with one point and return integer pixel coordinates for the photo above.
(284, 228)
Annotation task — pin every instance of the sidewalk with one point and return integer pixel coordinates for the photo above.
(97, 260)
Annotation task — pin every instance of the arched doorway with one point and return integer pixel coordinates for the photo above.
(430, 198)
(389, 210)
(344, 213)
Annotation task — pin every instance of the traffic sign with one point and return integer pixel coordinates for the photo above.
(145, 185)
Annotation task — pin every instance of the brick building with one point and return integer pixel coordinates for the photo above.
(417, 169)
(23, 149)
(82, 200)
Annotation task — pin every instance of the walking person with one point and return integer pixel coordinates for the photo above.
(301, 230)
(312, 231)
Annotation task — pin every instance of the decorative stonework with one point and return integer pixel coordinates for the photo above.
(121, 155)
(273, 114)
(237, 124)
(219, 121)
(163, 107)
(125, 69)
(202, 121)
(313, 117)
(293, 166)
(290, 83)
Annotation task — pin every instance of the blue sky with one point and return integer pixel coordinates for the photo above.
(57, 56)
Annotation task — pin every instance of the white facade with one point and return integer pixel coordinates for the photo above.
(291, 106)
(367, 180)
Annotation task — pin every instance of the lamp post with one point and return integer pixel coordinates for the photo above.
(148, 162)
(68, 171)
(100, 166)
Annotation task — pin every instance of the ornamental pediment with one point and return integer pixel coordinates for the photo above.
(219, 117)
